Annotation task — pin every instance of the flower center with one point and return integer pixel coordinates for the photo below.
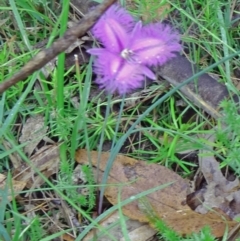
(126, 54)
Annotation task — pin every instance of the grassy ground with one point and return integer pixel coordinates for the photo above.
(78, 115)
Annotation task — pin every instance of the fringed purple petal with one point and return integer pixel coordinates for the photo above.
(116, 74)
(117, 14)
(123, 83)
(116, 37)
(156, 45)
(107, 64)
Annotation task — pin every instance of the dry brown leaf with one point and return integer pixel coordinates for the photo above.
(46, 160)
(15, 158)
(33, 132)
(167, 203)
(17, 186)
(68, 237)
(234, 234)
(136, 231)
(219, 192)
(212, 173)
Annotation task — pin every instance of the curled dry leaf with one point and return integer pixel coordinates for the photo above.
(46, 160)
(219, 192)
(136, 231)
(168, 203)
(17, 186)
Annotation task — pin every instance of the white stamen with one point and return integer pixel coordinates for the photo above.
(126, 53)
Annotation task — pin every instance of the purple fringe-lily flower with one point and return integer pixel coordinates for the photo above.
(129, 49)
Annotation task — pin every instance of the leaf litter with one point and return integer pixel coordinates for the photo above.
(169, 204)
(14, 187)
(137, 231)
(33, 132)
(45, 160)
(219, 192)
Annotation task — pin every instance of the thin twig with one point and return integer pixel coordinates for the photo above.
(59, 46)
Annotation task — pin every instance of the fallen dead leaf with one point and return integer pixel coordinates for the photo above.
(15, 158)
(167, 203)
(3, 21)
(68, 237)
(33, 132)
(46, 160)
(234, 234)
(17, 186)
(219, 192)
(136, 231)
